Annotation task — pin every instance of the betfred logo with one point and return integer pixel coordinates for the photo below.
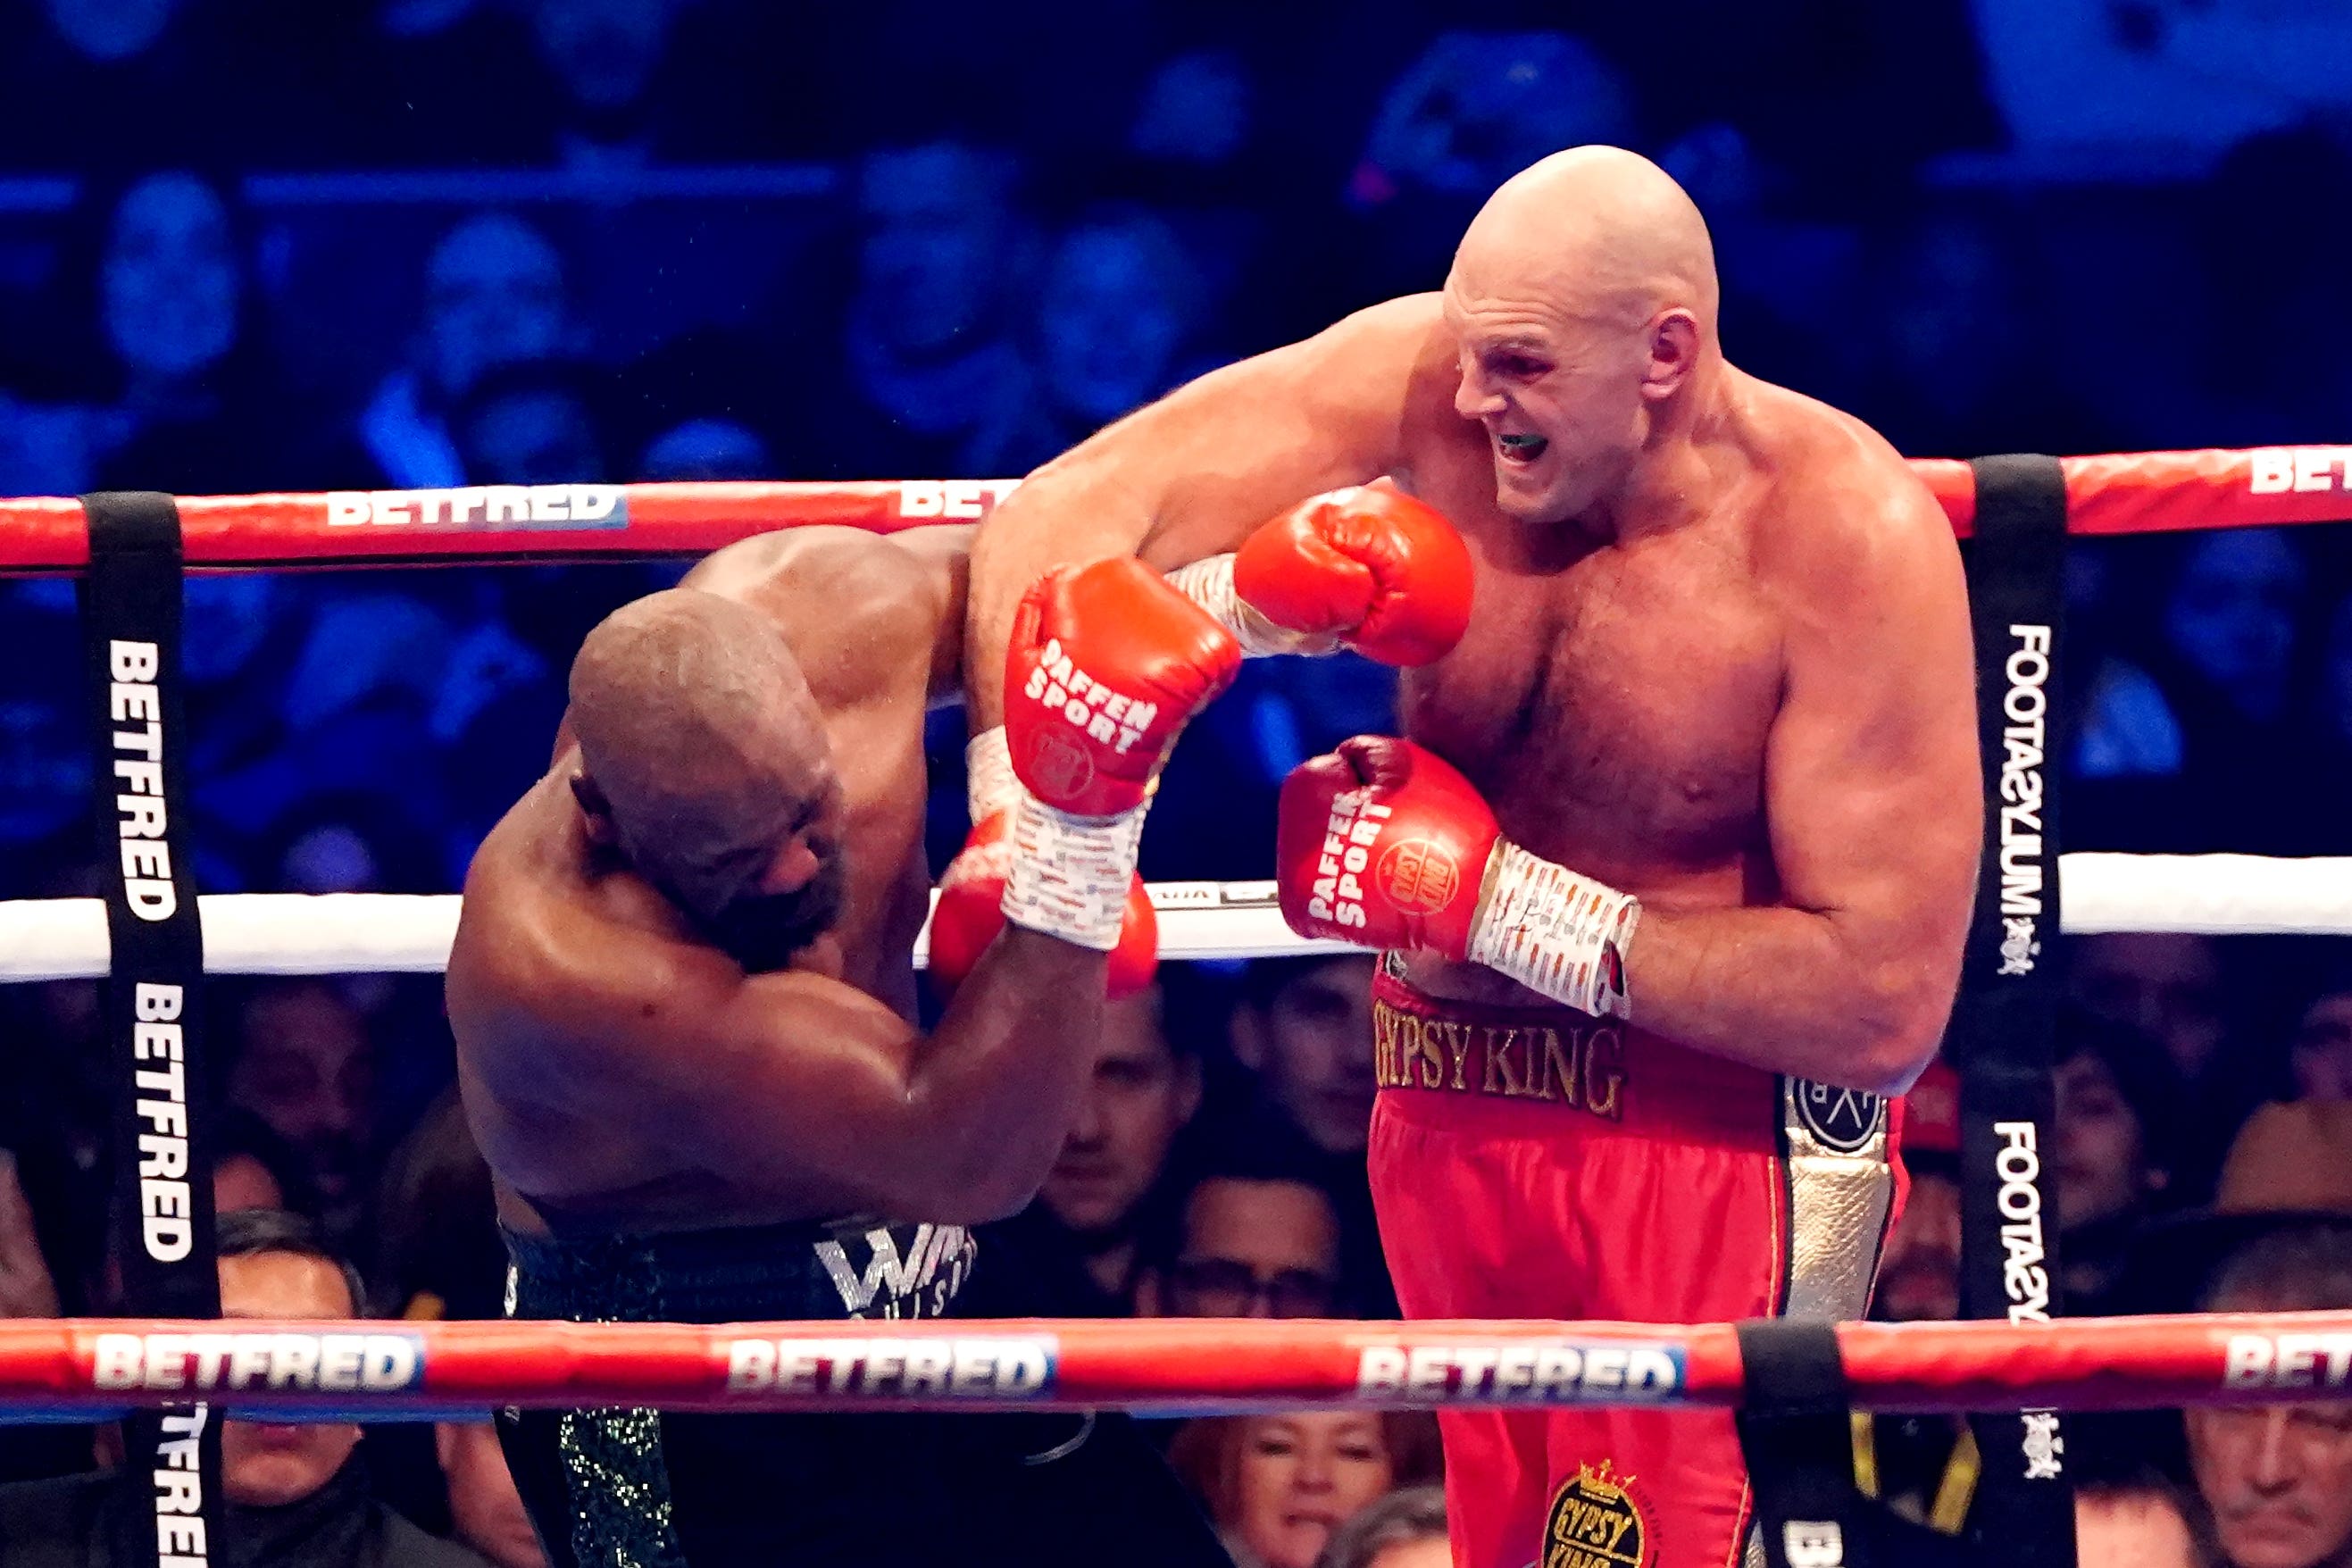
(2279, 470)
(894, 1368)
(952, 500)
(482, 509)
(322, 1362)
(2320, 1361)
(1540, 1371)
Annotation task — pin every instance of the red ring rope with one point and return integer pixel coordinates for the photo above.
(2135, 492)
(379, 1370)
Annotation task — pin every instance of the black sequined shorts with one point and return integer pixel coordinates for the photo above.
(645, 1488)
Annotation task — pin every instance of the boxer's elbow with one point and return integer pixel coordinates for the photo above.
(982, 1194)
(1898, 1019)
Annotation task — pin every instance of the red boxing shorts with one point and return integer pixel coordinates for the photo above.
(1538, 1162)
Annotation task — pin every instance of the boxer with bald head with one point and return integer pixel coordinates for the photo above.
(683, 993)
(1673, 860)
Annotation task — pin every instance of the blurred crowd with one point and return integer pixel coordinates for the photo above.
(256, 245)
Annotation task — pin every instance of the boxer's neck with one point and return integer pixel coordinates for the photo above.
(1693, 452)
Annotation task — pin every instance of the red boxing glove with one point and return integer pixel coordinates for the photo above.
(1385, 572)
(1105, 664)
(1382, 844)
(969, 912)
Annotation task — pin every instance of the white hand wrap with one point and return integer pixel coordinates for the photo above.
(990, 784)
(1556, 933)
(1070, 874)
(1210, 585)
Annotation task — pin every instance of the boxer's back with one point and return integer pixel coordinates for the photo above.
(565, 966)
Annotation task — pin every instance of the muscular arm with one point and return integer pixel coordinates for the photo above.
(798, 1085)
(1871, 796)
(1193, 473)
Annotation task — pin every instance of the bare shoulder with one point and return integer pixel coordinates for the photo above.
(1846, 516)
(853, 605)
(849, 570)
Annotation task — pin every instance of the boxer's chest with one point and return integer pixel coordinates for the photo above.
(1614, 709)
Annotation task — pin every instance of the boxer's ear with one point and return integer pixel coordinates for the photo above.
(595, 811)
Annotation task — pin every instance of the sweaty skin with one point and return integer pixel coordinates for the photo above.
(620, 1072)
(1718, 655)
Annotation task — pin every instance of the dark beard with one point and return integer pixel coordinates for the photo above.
(765, 932)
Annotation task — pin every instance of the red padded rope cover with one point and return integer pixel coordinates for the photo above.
(2132, 493)
(383, 1369)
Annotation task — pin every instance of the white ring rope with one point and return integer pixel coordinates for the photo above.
(364, 934)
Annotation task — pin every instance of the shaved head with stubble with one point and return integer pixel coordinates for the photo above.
(1582, 301)
(705, 763)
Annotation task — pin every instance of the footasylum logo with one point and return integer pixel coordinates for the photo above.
(2024, 745)
(2025, 1276)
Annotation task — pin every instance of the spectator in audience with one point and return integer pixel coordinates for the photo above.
(2231, 617)
(2131, 1524)
(933, 381)
(2120, 1111)
(2288, 1170)
(1108, 1193)
(699, 406)
(296, 1494)
(623, 87)
(2167, 986)
(1120, 306)
(195, 405)
(1922, 1468)
(253, 1168)
(1475, 108)
(1957, 369)
(43, 754)
(1405, 1529)
(1919, 1273)
(1301, 1025)
(1259, 1237)
(2275, 1480)
(532, 422)
(2319, 1056)
(27, 1291)
(494, 295)
(1279, 1487)
(305, 1065)
(77, 76)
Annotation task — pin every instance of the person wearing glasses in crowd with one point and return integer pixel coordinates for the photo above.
(1259, 1239)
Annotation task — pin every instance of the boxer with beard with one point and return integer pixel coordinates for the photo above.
(684, 1001)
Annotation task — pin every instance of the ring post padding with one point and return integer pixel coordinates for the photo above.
(163, 1208)
(2004, 1023)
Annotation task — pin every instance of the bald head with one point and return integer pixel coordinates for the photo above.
(1582, 300)
(701, 741)
(1602, 232)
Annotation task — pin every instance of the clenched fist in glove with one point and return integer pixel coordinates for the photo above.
(1368, 567)
(1105, 664)
(1385, 845)
(971, 911)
